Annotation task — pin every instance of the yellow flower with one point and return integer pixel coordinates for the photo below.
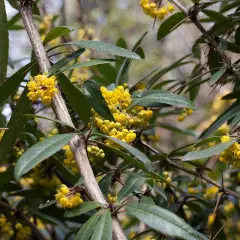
(42, 87)
(211, 219)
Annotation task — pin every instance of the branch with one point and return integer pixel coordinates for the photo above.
(77, 144)
(213, 42)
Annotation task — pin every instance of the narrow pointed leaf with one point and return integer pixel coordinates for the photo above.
(76, 98)
(169, 24)
(134, 151)
(103, 228)
(15, 125)
(65, 61)
(83, 208)
(11, 84)
(217, 76)
(39, 152)
(94, 95)
(56, 33)
(4, 42)
(105, 183)
(162, 221)
(132, 184)
(102, 47)
(155, 99)
(209, 152)
(87, 229)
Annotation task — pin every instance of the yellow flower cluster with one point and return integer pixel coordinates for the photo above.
(125, 119)
(193, 190)
(167, 177)
(186, 112)
(211, 192)
(68, 198)
(153, 10)
(42, 87)
(112, 198)
(211, 219)
(23, 232)
(69, 159)
(6, 231)
(18, 151)
(232, 154)
(95, 153)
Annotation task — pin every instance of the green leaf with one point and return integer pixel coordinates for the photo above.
(39, 152)
(56, 33)
(131, 185)
(237, 36)
(154, 99)
(94, 95)
(83, 208)
(217, 76)
(15, 125)
(103, 228)
(169, 24)
(162, 220)
(232, 111)
(214, 60)
(102, 47)
(107, 71)
(217, 149)
(134, 151)
(105, 183)
(57, 67)
(87, 64)
(4, 42)
(163, 71)
(47, 204)
(207, 140)
(11, 84)
(214, 16)
(87, 229)
(76, 98)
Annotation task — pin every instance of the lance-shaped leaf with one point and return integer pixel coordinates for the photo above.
(65, 61)
(132, 184)
(56, 33)
(217, 76)
(94, 95)
(162, 221)
(11, 84)
(170, 24)
(83, 208)
(39, 152)
(4, 42)
(101, 47)
(87, 229)
(232, 111)
(134, 151)
(15, 125)
(76, 98)
(157, 99)
(217, 149)
(105, 183)
(103, 228)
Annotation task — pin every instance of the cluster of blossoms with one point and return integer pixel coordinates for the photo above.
(68, 198)
(232, 154)
(112, 198)
(6, 230)
(95, 153)
(118, 100)
(154, 10)
(42, 87)
(186, 112)
(167, 177)
(211, 219)
(84, 73)
(18, 151)
(23, 232)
